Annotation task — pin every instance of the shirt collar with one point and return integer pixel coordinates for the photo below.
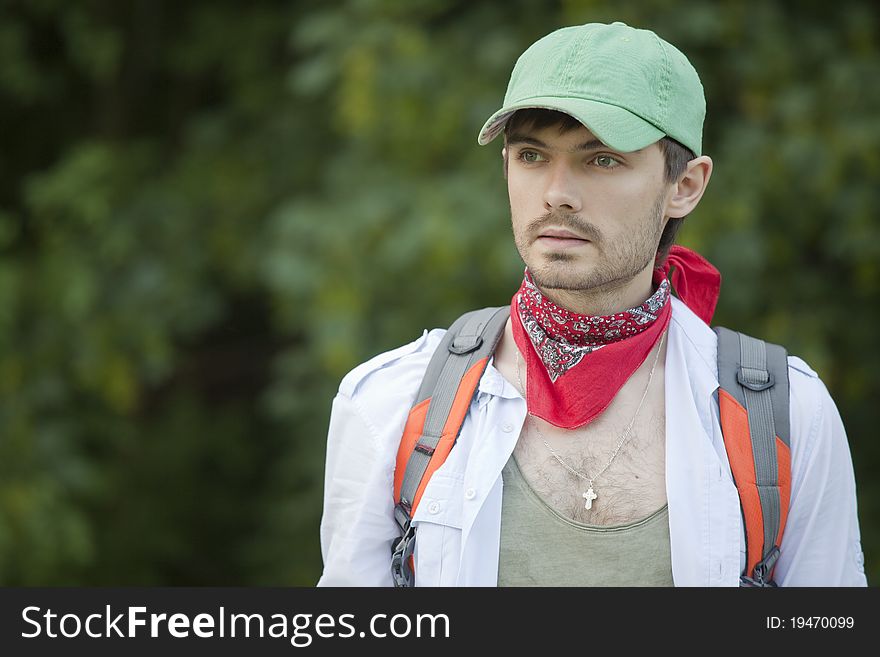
(703, 352)
(493, 384)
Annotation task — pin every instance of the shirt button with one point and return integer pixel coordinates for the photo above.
(433, 507)
(470, 493)
(507, 428)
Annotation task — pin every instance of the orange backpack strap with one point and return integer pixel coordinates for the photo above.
(754, 408)
(436, 418)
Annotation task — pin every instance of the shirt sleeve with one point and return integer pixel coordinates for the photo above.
(357, 526)
(366, 424)
(821, 541)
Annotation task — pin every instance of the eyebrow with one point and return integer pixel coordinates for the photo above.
(523, 139)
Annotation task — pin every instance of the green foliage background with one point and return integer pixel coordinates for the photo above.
(211, 210)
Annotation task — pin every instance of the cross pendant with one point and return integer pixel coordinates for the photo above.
(589, 496)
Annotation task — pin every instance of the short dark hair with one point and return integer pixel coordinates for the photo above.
(676, 157)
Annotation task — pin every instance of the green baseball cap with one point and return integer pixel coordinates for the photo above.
(628, 86)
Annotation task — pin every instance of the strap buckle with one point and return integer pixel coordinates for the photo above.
(760, 575)
(753, 382)
(401, 573)
(464, 344)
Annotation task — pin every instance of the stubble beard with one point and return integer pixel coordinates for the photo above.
(615, 263)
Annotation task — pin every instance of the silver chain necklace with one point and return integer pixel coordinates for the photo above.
(590, 495)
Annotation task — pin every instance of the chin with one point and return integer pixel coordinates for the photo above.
(561, 273)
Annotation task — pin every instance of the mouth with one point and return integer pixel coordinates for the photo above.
(557, 237)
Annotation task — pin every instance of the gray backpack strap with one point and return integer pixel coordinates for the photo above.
(755, 374)
(471, 338)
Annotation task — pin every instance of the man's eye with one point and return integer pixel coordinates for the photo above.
(529, 157)
(606, 161)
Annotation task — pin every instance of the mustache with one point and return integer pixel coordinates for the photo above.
(571, 222)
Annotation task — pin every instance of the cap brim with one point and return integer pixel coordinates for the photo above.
(614, 126)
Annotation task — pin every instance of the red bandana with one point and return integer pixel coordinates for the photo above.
(576, 364)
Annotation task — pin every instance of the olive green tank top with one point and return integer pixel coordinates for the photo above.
(540, 547)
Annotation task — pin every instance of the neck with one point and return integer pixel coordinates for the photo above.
(608, 299)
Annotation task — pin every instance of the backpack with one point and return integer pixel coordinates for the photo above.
(753, 401)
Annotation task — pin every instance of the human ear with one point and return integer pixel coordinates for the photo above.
(504, 157)
(689, 189)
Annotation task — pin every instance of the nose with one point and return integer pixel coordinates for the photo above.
(562, 192)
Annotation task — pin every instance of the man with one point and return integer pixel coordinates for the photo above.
(591, 453)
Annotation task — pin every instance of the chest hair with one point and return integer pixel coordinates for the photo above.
(631, 488)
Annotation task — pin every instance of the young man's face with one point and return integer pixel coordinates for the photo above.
(585, 217)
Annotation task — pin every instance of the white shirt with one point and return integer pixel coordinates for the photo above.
(459, 517)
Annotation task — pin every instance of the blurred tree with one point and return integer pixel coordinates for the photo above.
(209, 212)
